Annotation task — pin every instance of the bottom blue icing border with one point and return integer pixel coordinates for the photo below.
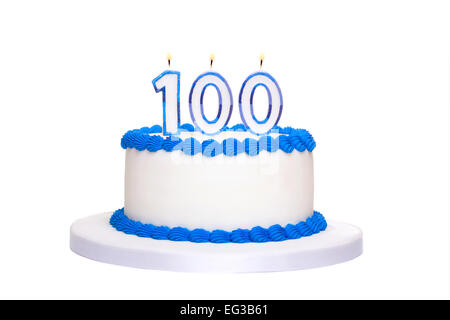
(312, 225)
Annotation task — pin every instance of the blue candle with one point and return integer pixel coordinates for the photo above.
(168, 83)
(246, 95)
(196, 106)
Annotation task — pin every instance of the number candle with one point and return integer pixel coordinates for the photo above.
(169, 83)
(196, 107)
(246, 94)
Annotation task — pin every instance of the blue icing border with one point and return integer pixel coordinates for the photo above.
(314, 224)
(290, 139)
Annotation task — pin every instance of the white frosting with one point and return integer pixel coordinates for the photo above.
(174, 189)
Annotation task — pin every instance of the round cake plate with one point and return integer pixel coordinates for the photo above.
(94, 238)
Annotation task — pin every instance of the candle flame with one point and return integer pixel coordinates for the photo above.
(261, 59)
(169, 58)
(212, 56)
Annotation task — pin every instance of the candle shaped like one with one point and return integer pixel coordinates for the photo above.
(168, 83)
(246, 95)
(196, 106)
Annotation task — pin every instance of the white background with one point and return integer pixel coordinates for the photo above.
(368, 79)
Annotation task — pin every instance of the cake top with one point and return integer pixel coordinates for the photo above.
(231, 142)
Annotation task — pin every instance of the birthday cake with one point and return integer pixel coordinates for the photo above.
(209, 196)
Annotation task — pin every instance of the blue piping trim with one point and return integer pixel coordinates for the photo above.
(290, 139)
(312, 225)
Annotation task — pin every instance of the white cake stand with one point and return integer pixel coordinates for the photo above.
(94, 238)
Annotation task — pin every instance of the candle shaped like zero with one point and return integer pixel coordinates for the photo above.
(196, 107)
(246, 95)
(168, 83)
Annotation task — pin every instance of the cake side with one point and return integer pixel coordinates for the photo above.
(261, 185)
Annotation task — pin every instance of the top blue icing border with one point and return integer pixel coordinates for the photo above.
(288, 140)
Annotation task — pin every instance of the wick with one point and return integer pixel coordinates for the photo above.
(211, 60)
(169, 58)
